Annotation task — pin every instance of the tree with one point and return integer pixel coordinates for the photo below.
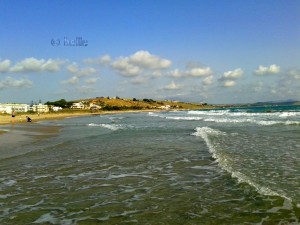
(61, 103)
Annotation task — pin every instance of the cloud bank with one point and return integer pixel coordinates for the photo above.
(144, 73)
(10, 82)
(272, 69)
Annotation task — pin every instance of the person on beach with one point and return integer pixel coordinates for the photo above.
(13, 115)
(28, 119)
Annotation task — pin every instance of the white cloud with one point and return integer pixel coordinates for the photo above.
(139, 80)
(51, 65)
(207, 80)
(87, 71)
(199, 72)
(172, 86)
(37, 65)
(176, 73)
(272, 69)
(103, 60)
(10, 82)
(194, 72)
(91, 81)
(74, 69)
(229, 77)
(72, 80)
(233, 74)
(137, 63)
(146, 60)
(229, 83)
(4, 65)
(156, 74)
(295, 74)
(124, 68)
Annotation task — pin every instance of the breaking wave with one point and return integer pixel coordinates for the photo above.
(209, 135)
(113, 127)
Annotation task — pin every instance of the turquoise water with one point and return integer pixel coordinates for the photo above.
(224, 166)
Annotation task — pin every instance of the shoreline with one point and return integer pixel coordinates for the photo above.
(21, 118)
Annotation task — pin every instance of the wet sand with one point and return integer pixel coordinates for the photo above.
(21, 118)
(12, 136)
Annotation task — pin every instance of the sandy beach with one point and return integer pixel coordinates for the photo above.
(21, 118)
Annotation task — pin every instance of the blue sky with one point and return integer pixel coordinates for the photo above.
(233, 51)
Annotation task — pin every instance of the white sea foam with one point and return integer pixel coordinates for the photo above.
(210, 112)
(225, 163)
(112, 176)
(49, 218)
(9, 183)
(244, 113)
(5, 196)
(153, 114)
(113, 127)
(292, 122)
(259, 122)
(289, 114)
(226, 120)
(183, 118)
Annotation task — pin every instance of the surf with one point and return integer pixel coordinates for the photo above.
(210, 135)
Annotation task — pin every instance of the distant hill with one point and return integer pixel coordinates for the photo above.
(117, 103)
(286, 102)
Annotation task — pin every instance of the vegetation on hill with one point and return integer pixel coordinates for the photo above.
(60, 103)
(117, 103)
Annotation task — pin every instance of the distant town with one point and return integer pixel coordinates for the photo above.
(96, 104)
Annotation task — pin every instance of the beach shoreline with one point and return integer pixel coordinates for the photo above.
(21, 118)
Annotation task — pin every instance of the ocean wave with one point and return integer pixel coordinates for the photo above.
(226, 120)
(269, 123)
(225, 116)
(113, 127)
(225, 162)
(245, 113)
(258, 122)
(183, 118)
(153, 114)
(289, 114)
(210, 112)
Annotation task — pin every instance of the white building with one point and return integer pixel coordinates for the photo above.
(78, 105)
(94, 106)
(8, 108)
(56, 108)
(40, 108)
(166, 107)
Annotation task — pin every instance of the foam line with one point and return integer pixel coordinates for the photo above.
(224, 162)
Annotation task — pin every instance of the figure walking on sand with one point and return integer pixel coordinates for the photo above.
(13, 115)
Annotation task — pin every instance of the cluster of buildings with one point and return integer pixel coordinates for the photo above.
(85, 105)
(10, 107)
(41, 108)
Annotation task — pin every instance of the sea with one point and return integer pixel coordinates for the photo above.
(214, 166)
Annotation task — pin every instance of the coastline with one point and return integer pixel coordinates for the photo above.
(21, 118)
